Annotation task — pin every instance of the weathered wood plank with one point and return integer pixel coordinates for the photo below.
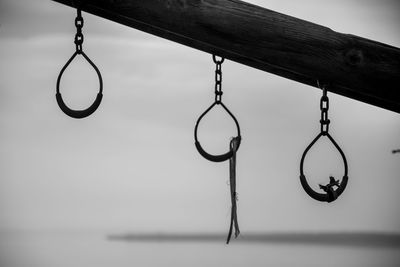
(299, 50)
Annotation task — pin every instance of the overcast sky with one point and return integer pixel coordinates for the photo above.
(133, 165)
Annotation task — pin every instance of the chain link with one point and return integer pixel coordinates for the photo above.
(324, 106)
(79, 35)
(218, 79)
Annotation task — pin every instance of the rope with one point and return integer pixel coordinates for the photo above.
(234, 144)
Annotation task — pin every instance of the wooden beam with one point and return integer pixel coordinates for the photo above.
(299, 50)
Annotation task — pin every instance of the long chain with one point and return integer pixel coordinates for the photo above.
(324, 106)
(79, 35)
(218, 79)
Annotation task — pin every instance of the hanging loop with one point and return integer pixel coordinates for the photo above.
(218, 101)
(221, 157)
(331, 193)
(79, 114)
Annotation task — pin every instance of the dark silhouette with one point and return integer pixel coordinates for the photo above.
(332, 182)
(396, 151)
(79, 114)
(329, 187)
(231, 154)
(218, 101)
(331, 194)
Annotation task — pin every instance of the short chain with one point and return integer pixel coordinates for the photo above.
(218, 79)
(79, 36)
(324, 106)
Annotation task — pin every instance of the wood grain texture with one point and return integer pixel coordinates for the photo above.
(299, 50)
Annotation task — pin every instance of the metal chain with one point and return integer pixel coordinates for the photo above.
(79, 36)
(324, 106)
(218, 79)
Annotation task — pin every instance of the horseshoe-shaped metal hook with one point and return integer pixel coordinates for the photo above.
(79, 114)
(330, 194)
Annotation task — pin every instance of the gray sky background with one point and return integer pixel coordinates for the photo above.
(133, 165)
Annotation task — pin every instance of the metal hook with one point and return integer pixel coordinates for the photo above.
(323, 86)
(216, 61)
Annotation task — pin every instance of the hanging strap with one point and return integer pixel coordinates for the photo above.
(234, 145)
(330, 193)
(79, 114)
(218, 101)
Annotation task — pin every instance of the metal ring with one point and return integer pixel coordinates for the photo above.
(318, 196)
(79, 114)
(79, 22)
(217, 61)
(215, 158)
